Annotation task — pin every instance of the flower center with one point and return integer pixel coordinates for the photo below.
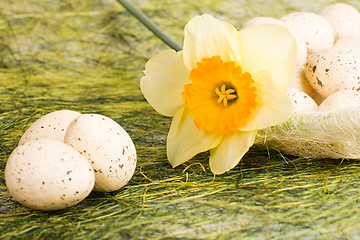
(221, 97)
(225, 95)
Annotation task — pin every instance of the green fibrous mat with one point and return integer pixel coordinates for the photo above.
(88, 56)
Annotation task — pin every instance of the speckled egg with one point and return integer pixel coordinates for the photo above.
(301, 46)
(341, 101)
(311, 28)
(48, 175)
(301, 101)
(334, 69)
(108, 148)
(299, 82)
(348, 42)
(344, 19)
(52, 125)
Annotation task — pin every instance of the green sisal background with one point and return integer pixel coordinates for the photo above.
(88, 56)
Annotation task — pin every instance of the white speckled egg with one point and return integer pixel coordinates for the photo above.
(52, 125)
(333, 69)
(348, 42)
(340, 101)
(46, 174)
(299, 82)
(108, 148)
(301, 46)
(301, 101)
(311, 28)
(344, 19)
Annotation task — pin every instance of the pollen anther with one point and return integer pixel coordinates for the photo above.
(225, 95)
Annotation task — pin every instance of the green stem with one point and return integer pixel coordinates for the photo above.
(150, 25)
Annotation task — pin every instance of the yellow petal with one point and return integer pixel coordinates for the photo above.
(271, 48)
(164, 80)
(275, 106)
(230, 151)
(185, 140)
(206, 36)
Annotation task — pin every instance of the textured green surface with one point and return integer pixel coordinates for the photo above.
(88, 55)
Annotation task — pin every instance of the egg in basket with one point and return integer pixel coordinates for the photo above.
(325, 85)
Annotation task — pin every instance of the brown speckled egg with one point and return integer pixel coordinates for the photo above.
(52, 125)
(301, 101)
(108, 148)
(334, 69)
(341, 101)
(344, 19)
(311, 28)
(48, 175)
(299, 82)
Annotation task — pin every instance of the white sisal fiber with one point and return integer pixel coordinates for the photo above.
(316, 135)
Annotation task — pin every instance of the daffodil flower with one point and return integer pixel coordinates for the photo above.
(221, 88)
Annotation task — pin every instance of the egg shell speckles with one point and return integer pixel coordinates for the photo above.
(299, 82)
(334, 69)
(48, 175)
(108, 148)
(301, 101)
(344, 19)
(341, 101)
(52, 125)
(311, 28)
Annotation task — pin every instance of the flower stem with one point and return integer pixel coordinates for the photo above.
(150, 25)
